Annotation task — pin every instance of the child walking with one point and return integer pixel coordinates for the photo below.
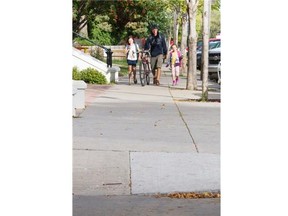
(175, 58)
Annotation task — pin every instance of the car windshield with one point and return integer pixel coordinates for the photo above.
(214, 44)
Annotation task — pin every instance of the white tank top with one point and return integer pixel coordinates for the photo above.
(132, 55)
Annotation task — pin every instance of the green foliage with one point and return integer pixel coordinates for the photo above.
(215, 25)
(137, 29)
(98, 53)
(123, 66)
(107, 20)
(82, 42)
(111, 22)
(89, 75)
(92, 76)
(101, 30)
(76, 75)
(84, 11)
(102, 22)
(101, 37)
(215, 21)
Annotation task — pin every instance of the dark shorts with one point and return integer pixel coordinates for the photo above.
(132, 62)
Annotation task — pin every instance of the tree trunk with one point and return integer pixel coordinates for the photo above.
(205, 49)
(176, 26)
(184, 44)
(192, 44)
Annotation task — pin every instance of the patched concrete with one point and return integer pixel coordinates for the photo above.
(161, 172)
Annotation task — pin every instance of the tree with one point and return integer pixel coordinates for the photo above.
(100, 30)
(192, 45)
(214, 21)
(130, 17)
(85, 11)
(79, 12)
(180, 19)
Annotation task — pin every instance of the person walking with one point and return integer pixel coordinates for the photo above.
(158, 50)
(175, 58)
(131, 53)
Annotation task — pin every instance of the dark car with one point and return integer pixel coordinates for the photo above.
(213, 44)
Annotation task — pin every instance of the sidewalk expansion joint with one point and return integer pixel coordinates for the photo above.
(130, 171)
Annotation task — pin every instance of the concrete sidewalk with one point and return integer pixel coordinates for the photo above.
(132, 141)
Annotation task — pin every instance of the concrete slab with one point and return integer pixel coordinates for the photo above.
(144, 133)
(160, 172)
(101, 173)
(148, 122)
(203, 120)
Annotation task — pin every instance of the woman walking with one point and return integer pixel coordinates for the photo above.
(131, 53)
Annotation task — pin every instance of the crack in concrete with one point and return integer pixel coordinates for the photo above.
(186, 125)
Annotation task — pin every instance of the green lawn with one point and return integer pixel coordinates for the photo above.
(123, 65)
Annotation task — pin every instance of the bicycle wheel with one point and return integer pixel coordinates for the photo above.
(141, 73)
(148, 78)
(148, 70)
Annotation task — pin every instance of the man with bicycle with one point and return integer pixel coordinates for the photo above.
(158, 49)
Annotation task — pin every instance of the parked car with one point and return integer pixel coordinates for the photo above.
(213, 44)
(214, 66)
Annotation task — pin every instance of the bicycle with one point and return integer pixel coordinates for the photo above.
(145, 67)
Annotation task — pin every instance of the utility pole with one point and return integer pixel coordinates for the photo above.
(184, 43)
(205, 48)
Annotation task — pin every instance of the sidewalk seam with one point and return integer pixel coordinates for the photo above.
(130, 178)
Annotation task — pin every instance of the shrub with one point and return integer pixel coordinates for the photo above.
(92, 76)
(76, 74)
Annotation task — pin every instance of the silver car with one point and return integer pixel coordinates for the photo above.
(214, 66)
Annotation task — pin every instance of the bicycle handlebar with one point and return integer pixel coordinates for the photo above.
(145, 51)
